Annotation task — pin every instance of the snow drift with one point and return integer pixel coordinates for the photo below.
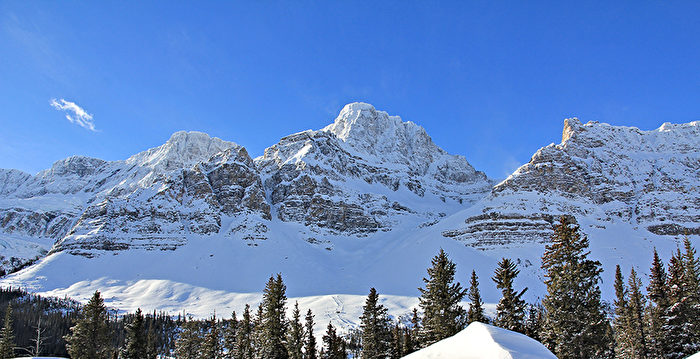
(483, 341)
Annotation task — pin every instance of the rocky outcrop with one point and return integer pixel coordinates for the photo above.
(601, 172)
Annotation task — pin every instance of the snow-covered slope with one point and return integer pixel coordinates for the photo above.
(197, 224)
(483, 341)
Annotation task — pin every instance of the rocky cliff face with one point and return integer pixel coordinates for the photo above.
(600, 172)
(364, 172)
(367, 171)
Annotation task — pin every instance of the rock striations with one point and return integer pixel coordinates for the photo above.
(604, 173)
(365, 173)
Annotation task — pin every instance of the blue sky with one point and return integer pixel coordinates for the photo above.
(489, 80)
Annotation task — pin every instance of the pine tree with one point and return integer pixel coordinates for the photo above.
(658, 304)
(7, 337)
(376, 328)
(510, 311)
(211, 345)
(333, 347)
(310, 342)
(274, 321)
(188, 344)
(89, 338)
(476, 305)
(575, 324)
(231, 338)
(442, 315)
(135, 345)
(295, 337)
(258, 336)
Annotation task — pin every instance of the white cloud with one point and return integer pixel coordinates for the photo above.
(74, 113)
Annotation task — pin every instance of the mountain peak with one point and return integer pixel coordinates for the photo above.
(183, 149)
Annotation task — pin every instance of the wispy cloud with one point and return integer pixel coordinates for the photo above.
(74, 113)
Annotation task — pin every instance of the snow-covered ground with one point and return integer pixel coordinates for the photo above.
(483, 341)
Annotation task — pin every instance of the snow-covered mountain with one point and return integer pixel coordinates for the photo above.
(197, 224)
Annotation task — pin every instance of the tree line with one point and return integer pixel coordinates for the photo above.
(571, 319)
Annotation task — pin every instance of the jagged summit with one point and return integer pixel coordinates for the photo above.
(376, 133)
(183, 149)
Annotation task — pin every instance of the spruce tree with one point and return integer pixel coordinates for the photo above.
(333, 347)
(476, 305)
(151, 343)
(658, 304)
(620, 321)
(7, 337)
(135, 344)
(677, 325)
(231, 338)
(533, 322)
(258, 332)
(89, 337)
(443, 316)
(510, 311)
(187, 345)
(376, 328)
(310, 342)
(637, 334)
(575, 324)
(211, 345)
(692, 286)
(244, 339)
(409, 345)
(274, 321)
(398, 344)
(295, 337)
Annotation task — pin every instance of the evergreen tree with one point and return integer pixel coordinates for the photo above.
(274, 321)
(151, 344)
(533, 322)
(7, 337)
(333, 347)
(637, 334)
(258, 333)
(188, 344)
(510, 311)
(135, 346)
(376, 328)
(89, 338)
(476, 305)
(692, 286)
(211, 345)
(620, 321)
(677, 325)
(231, 338)
(658, 304)
(295, 337)
(397, 337)
(575, 324)
(310, 342)
(409, 345)
(442, 315)
(244, 339)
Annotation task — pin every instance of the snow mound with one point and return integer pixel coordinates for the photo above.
(483, 341)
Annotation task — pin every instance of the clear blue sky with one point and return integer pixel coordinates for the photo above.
(490, 80)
